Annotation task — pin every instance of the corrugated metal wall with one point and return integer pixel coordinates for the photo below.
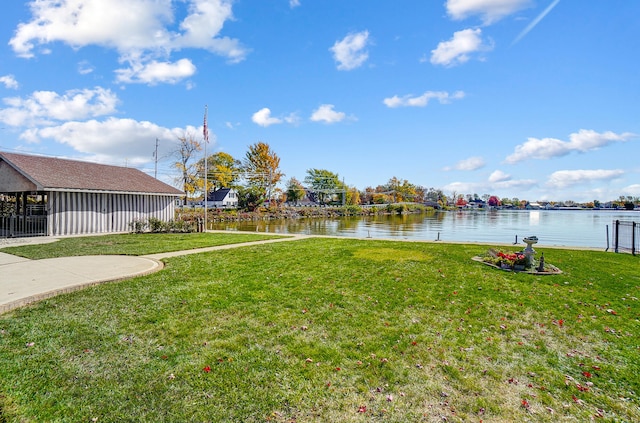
(76, 213)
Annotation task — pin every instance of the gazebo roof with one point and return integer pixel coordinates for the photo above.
(54, 174)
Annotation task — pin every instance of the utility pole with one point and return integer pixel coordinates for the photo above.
(155, 155)
(205, 134)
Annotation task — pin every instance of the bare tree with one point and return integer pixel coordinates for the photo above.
(185, 155)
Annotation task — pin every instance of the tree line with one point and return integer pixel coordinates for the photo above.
(257, 175)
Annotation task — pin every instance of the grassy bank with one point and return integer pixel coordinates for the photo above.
(131, 244)
(333, 330)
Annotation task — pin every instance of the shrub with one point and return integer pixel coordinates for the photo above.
(351, 210)
(156, 225)
(138, 225)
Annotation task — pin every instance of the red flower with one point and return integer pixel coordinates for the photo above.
(362, 409)
(206, 369)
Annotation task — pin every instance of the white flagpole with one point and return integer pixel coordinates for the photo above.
(205, 133)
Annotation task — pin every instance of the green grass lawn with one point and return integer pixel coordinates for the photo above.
(131, 244)
(333, 330)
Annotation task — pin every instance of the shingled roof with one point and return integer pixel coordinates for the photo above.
(54, 174)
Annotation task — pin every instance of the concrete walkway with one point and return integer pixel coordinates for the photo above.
(24, 281)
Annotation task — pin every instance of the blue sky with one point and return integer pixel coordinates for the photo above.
(535, 99)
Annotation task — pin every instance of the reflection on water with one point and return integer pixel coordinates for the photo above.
(585, 228)
(534, 218)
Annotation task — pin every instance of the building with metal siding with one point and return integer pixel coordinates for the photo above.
(51, 196)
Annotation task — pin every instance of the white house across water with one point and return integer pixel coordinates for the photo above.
(45, 196)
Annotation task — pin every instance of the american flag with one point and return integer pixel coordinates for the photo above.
(205, 130)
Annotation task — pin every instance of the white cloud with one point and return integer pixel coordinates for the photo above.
(633, 190)
(567, 178)
(499, 176)
(292, 118)
(497, 182)
(9, 81)
(294, 3)
(490, 11)
(582, 141)
(472, 163)
(113, 140)
(43, 107)
(326, 114)
(350, 52)
(85, 68)
(420, 101)
(263, 118)
(140, 29)
(154, 72)
(513, 184)
(457, 50)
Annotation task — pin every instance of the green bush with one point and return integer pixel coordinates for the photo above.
(351, 210)
(156, 225)
(185, 225)
(138, 225)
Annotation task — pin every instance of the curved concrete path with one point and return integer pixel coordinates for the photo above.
(24, 281)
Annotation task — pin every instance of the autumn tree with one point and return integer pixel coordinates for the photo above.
(353, 196)
(421, 193)
(261, 167)
(223, 171)
(493, 201)
(401, 190)
(366, 195)
(185, 163)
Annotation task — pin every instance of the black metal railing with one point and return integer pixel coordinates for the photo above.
(23, 226)
(626, 236)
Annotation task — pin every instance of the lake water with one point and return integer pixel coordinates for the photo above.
(581, 228)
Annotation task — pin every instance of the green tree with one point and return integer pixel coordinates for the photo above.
(184, 154)
(326, 186)
(261, 167)
(295, 191)
(249, 198)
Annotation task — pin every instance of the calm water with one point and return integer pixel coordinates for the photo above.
(583, 228)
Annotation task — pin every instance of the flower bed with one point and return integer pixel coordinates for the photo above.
(514, 261)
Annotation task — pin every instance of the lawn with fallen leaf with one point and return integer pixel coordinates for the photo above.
(334, 330)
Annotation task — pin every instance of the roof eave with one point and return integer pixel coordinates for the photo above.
(98, 191)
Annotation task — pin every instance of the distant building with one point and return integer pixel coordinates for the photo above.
(51, 197)
(223, 198)
(534, 206)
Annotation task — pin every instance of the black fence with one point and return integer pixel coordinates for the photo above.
(23, 226)
(626, 236)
